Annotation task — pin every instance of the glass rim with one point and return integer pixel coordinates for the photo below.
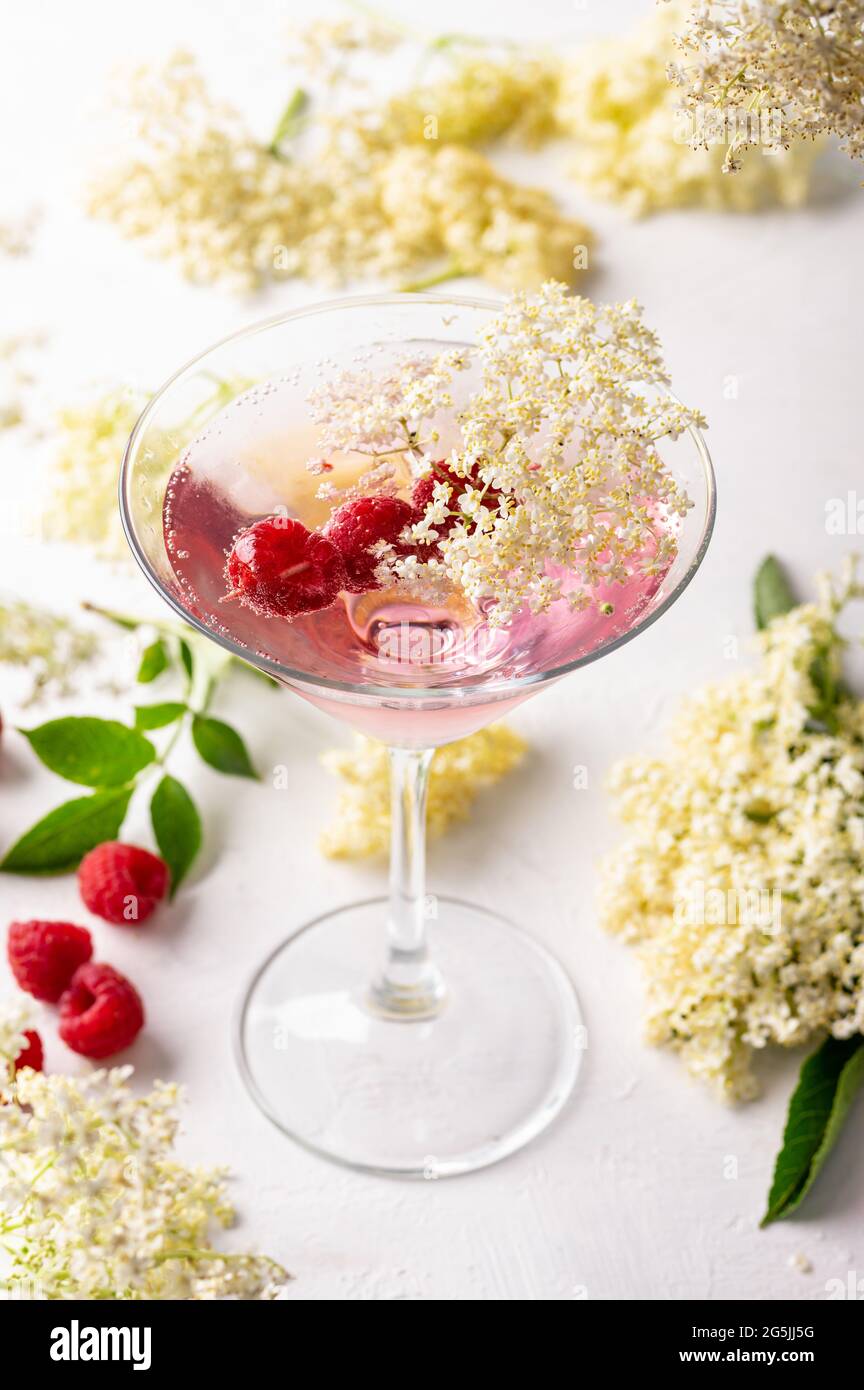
(414, 695)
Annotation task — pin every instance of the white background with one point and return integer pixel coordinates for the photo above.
(626, 1197)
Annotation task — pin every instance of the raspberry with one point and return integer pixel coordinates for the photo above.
(279, 569)
(45, 955)
(32, 1056)
(101, 1012)
(423, 489)
(357, 525)
(122, 883)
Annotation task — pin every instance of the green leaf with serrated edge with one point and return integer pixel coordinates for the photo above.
(772, 594)
(177, 827)
(59, 841)
(158, 716)
(186, 657)
(92, 752)
(826, 1088)
(154, 660)
(221, 747)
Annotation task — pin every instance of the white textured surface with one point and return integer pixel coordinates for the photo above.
(626, 1197)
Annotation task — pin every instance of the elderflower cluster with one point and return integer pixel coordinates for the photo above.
(15, 1019)
(87, 447)
(200, 188)
(484, 224)
(629, 146)
(93, 1203)
(90, 439)
(18, 231)
(48, 646)
(19, 354)
(471, 98)
(460, 770)
(742, 880)
(803, 59)
(563, 487)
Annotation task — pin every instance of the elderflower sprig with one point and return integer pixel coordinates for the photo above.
(16, 1017)
(94, 1203)
(742, 880)
(630, 145)
(557, 484)
(802, 58)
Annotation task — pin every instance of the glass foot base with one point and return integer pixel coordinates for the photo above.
(418, 1098)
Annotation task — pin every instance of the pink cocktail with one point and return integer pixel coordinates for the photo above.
(356, 1037)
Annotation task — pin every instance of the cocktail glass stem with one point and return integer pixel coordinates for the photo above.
(408, 985)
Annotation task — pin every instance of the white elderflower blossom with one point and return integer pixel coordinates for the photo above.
(15, 1019)
(93, 1204)
(742, 880)
(804, 60)
(631, 146)
(557, 484)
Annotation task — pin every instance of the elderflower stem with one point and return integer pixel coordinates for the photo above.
(409, 986)
(452, 271)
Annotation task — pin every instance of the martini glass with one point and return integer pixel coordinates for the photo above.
(409, 1035)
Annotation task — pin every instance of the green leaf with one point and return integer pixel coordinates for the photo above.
(290, 122)
(821, 1101)
(59, 841)
(186, 657)
(829, 690)
(772, 594)
(221, 746)
(93, 752)
(177, 827)
(120, 619)
(158, 716)
(257, 672)
(154, 661)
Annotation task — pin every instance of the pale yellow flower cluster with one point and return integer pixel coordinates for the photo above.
(445, 200)
(460, 770)
(93, 1203)
(803, 60)
(193, 183)
(610, 99)
(742, 880)
(631, 144)
(17, 232)
(473, 98)
(88, 441)
(19, 380)
(200, 188)
(81, 497)
(48, 645)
